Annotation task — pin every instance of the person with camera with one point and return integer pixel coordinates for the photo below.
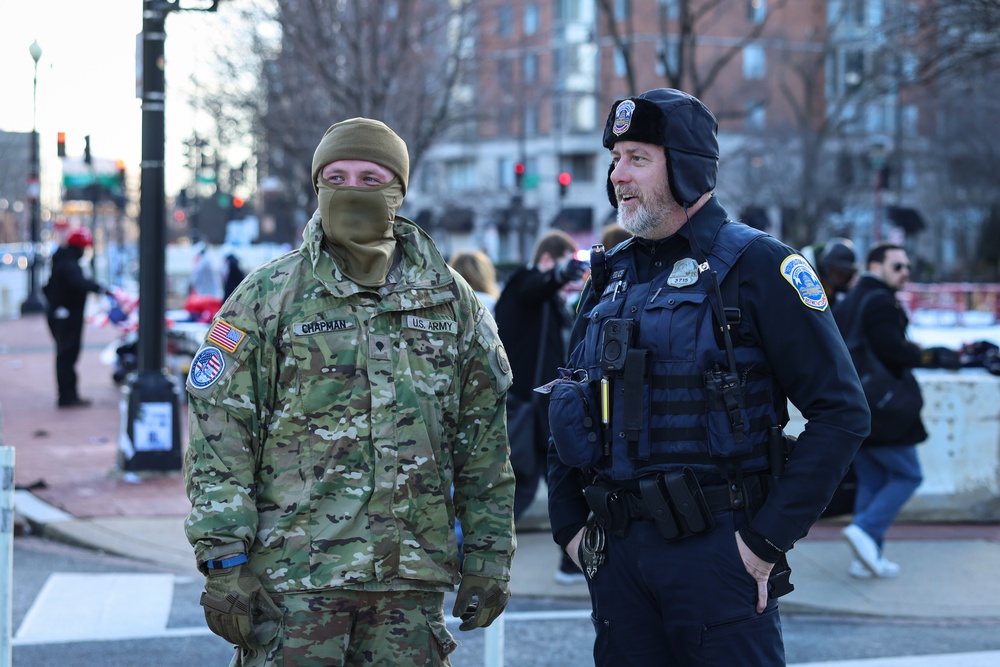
(533, 317)
(887, 468)
(670, 480)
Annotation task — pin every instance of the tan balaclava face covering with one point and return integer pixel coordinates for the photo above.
(357, 228)
(357, 221)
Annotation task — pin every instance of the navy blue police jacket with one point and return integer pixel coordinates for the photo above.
(787, 347)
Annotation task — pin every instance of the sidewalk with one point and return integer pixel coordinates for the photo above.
(71, 490)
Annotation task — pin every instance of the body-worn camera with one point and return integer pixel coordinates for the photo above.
(617, 335)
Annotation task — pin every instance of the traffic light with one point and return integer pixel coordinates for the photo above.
(121, 173)
(86, 150)
(519, 174)
(61, 144)
(564, 180)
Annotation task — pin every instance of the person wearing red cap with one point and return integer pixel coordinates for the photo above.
(66, 293)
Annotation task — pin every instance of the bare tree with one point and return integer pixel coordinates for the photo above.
(398, 61)
(680, 29)
(952, 37)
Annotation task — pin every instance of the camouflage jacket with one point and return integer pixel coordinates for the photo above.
(329, 423)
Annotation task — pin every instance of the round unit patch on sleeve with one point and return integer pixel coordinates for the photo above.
(207, 367)
(800, 275)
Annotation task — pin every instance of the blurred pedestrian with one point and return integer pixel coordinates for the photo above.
(66, 293)
(612, 234)
(533, 319)
(887, 468)
(340, 395)
(670, 479)
(837, 268)
(479, 272)
(233, 274)
(205, 277)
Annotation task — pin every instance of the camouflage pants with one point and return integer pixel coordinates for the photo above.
(353, 628)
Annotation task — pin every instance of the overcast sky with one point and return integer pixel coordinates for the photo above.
(86, 78)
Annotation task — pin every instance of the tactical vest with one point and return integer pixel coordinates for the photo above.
(652, 345)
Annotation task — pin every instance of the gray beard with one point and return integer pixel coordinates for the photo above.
(643, 222)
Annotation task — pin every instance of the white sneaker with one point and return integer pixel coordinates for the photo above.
(858, 570)
(886, 570)
(864, 547)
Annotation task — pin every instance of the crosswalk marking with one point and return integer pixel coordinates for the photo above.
(977, 659)
(109, 607)
(89, 607)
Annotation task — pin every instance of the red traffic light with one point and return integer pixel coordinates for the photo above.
(519, 169)
(61, 144)
(238, 202)
(565, 179)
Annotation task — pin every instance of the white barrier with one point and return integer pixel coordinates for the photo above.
(961, 456)
(6, 549)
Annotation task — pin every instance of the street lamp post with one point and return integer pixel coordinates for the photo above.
(32, 303)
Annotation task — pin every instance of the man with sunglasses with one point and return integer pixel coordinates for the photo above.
(888, 471)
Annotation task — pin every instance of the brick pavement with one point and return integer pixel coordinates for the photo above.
(73, 451)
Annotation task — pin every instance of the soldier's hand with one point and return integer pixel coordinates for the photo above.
(491, 597)
(235, 602)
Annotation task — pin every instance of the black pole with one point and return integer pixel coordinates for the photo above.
(153, 429)
(33, 303)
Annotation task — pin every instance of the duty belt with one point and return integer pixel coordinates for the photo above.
(675, 501)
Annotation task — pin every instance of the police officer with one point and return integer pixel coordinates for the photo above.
(669, 478)
(347, 406)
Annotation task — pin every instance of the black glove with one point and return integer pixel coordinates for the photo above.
(569, 269)
(234, 601)
(941, 357)
(491, 598)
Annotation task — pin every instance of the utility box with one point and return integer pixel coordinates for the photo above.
(150, 436)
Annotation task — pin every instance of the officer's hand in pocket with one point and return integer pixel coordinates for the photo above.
(235, 602)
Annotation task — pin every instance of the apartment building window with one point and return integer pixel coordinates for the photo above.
(530, 65)
(580, 166)
(619, 64)
(460, 175)
(756, 11)
(854, 70)
(530, 120)
(505, 78)
(504, 21)
(756, 115)
(622, 9)
(530, 18)
(754, 65)
(574, 10)
(666, 56)
(670, 8)
(582, 113)
(855, 12)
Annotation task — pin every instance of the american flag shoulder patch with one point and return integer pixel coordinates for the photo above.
(227, 337)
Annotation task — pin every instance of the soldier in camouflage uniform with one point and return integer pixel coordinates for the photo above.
(346, 408)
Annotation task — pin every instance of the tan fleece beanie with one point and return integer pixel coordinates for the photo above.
(362, 139)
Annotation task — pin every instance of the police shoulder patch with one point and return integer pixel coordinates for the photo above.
(800, 275)
(206, 367)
